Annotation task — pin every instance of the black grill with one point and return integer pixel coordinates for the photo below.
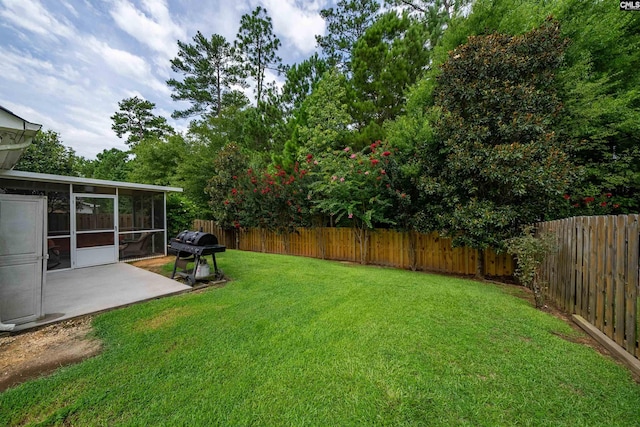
(196, 238)
(191, 246)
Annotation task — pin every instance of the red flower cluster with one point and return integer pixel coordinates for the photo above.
(586, 201)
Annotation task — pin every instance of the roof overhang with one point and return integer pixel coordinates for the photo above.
(16, 134)
(45, 177)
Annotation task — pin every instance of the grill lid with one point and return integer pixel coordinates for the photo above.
(196, 238)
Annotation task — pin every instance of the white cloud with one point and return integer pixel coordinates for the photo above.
(120, 61)
(295, 25)
(155, 29)
(32, 16)
(126, 64)
(71, 9)
(95, 121)
(17, 66)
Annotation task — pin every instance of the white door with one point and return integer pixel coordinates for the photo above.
(22, 252)
(95, 236)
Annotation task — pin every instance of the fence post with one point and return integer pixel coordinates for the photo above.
(631, 286)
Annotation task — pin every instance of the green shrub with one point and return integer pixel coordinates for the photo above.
(530, 251)
(181, 212)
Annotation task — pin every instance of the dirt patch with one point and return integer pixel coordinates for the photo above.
(36, 353)
(155, 264)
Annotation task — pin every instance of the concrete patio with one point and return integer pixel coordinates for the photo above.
(81, 291)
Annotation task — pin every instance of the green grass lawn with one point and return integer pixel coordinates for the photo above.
(296, 341)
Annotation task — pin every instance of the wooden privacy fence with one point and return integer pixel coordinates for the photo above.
(385, 247)
(595, 273)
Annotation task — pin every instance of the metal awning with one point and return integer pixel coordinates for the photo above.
(15, 135)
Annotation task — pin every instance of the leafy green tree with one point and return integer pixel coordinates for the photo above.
(257, 45)
(218, 130)
(210, 69)
(496, 163)
(47, 154)
(324, 122)
(181, 212)
(231, 175)
(346, 23)
(136, 120)
(387, 59)
(255, 128)
(407, 136)
(301, 80)
(196, 169)
(156, 160)
(205, 139)
(599, 87)
(111, 164)
(84, 167)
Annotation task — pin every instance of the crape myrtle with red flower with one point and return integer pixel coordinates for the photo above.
(276, 199)
(601, 204)
(266, 197)
(356, 189)
(226, 188)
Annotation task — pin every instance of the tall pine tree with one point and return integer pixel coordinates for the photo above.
(210, 71)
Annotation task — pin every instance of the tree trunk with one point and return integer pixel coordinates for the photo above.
(413, 250)
(362, 236)
(480, 265)
(320, 242)
(263, 239)
(537, 290)
(537, 294)
(286, 242)
(318, 224)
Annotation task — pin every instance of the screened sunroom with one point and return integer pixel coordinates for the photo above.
(93, 222)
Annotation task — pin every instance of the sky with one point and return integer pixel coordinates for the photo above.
(66, 64)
